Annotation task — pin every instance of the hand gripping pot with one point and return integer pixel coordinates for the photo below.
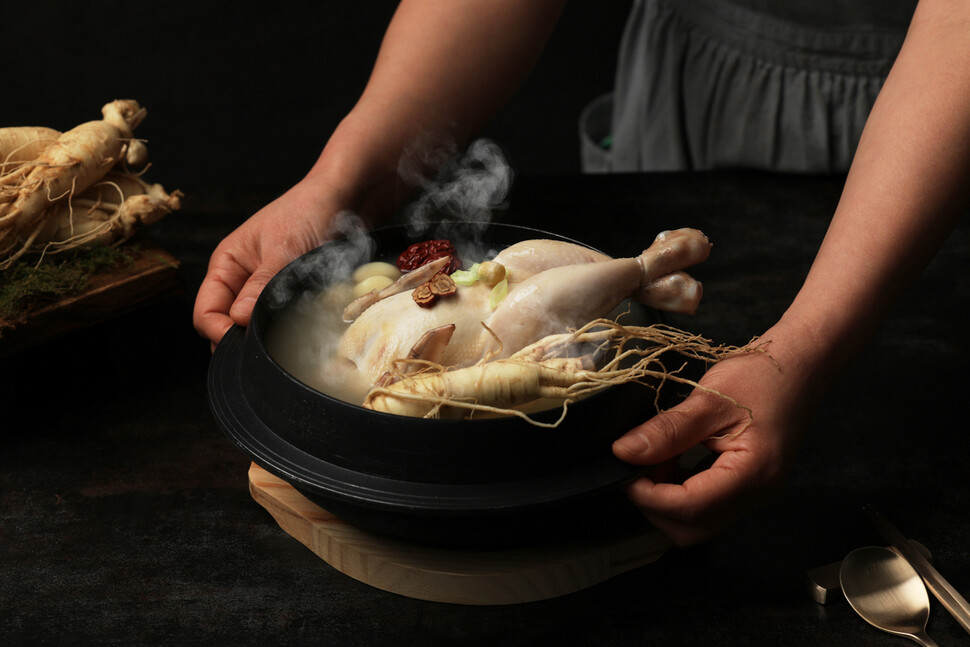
(480, 482)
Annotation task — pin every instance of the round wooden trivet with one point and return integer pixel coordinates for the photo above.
(475, 577)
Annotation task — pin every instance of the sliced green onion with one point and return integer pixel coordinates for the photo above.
(466, 277)
(498, 293)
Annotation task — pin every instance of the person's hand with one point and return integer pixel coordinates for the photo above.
(752, 444)
(245, 261)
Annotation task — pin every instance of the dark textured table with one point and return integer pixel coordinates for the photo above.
(125, 516)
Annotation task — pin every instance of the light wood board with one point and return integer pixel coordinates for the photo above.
(153, 274)
(473, 577)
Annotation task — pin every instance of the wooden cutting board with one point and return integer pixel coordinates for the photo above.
(153, 274)
(473, 577)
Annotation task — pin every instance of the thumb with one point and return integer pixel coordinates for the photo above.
(669, 433)
(242, 308)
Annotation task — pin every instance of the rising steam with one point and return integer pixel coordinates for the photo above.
(466, 188)
(351, 247)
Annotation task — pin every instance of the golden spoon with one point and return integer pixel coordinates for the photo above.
(887, 592)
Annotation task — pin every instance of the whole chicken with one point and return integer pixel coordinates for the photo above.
(553, 287)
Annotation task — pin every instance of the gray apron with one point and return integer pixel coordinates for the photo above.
(707, 84)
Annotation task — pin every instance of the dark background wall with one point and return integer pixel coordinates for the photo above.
(244, 94)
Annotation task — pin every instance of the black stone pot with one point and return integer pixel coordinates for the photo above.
(472, 483)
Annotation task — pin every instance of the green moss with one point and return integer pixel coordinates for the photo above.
(27, 284)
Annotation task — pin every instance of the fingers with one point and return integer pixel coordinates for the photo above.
(672, 432)
(216, 296)
(706, 503)
(210, 316)
(241, 309)
(213, 327)
(687, 513)
(750, 455)
(696, 496)
(220, 304)
(245, 261)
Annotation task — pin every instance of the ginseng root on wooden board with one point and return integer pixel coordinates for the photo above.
(60, 191)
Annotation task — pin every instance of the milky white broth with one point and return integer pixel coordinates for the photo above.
(303, 340)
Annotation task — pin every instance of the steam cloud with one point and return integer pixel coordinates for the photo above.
(352, 247)
(467, 188)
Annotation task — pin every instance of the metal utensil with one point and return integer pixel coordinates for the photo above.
(948, 596)
(823, 581)
(887, 592)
